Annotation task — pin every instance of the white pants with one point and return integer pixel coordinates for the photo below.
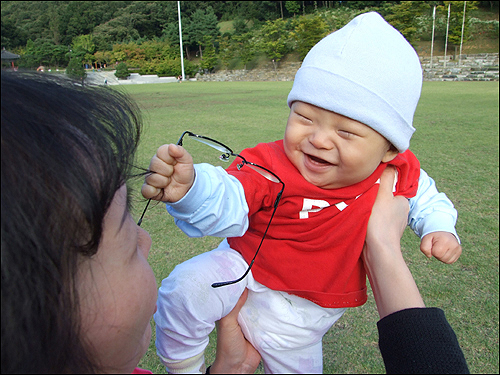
(286, 330)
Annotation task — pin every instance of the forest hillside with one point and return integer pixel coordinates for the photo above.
(144, 36)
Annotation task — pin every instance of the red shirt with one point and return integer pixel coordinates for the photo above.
(139, 370)
(314, 244)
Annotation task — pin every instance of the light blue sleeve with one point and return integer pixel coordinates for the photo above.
(430, 210)
(214, 206)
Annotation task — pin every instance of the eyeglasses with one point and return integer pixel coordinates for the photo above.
(226, 154)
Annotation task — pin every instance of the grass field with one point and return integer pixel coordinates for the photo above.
(457, 144)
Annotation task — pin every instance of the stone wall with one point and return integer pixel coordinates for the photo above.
(480, 67)
(284, 72)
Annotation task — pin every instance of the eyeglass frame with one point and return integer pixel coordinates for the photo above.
(227, 152)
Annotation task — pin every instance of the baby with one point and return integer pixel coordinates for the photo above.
(351, 112)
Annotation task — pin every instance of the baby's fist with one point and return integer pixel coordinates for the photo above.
(441, 245)
(172, 174)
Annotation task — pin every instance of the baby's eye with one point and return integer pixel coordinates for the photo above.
(345, 134)
(303, 118)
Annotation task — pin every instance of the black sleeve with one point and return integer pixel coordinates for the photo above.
(420, 340)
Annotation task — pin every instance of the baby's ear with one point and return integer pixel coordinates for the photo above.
(391, 153)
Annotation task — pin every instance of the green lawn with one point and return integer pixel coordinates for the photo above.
(457, 144)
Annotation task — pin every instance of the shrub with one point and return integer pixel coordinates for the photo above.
(75, 70)
(168, 68)
(487, 28)
(122, 71)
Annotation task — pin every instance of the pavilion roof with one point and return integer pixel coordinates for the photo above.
(6, 55)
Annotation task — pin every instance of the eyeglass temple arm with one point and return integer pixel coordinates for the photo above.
(143, 212)
(179, 142)
(224, 283)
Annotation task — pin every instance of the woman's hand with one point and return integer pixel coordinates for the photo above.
(393, 285)
(235, 355)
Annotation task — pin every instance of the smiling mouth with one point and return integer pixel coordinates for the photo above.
(317, 160)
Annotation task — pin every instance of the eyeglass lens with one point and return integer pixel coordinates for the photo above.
(218, 146)
(227, 152)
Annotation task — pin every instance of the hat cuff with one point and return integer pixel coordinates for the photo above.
(338, 94)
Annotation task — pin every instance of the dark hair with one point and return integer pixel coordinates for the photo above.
(66, 150)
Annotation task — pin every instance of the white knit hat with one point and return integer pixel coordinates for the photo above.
(366, 71)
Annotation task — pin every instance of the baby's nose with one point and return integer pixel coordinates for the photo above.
(321, 140)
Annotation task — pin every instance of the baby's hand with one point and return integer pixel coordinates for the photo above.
(173, 174)
(441, 245)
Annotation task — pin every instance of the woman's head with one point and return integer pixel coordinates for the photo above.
(66, 153)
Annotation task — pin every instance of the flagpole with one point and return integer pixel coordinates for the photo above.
(447, 28)
(433, 25)
(180, 38)
(462, 37)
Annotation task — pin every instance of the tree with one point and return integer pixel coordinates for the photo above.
(117, 30)
(122, 71)
(160, 49)
(201, 23)
(53, 26)
(12, 35)
(83, 48)
(405, 16)
(209, 59)
(59, 55)
(338, 18)
(149, 18)
(30, 57)
(275, 35)
(293, 7)
(75, 70)
(226, 50)
(456, 18)
(360, 5)
(308, 32)
(246, 49)
(125, 52)
(240, 26)
(259, 11)
(103, 57)
(43, 52)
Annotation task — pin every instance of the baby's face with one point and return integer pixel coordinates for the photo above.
(332, 151)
